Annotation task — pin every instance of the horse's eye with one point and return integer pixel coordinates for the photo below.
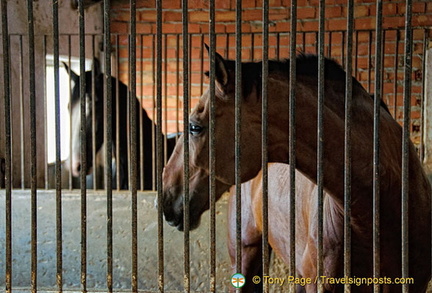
(195, 129)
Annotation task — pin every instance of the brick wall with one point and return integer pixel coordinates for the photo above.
(365, 17)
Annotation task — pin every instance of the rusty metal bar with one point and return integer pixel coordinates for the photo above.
(292, 138)
(108, 141)
(212, 148)
(406, 142)
(7, 139)
(159, 141)
(133, 144)
(33, 184)
(83, 148)
(264, 139)
(320, 143)
(347, 146)
(238, 113)
(58, 181)
(186, 106)
(376, 146)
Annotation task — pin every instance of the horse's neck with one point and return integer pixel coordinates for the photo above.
(334, 132)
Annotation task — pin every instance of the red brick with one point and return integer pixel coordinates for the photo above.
(365, 23)
(336, 24)
(171, 4)
(119, 27)
(306, 13)
(146, 15)
(332, 11)
(361, 11)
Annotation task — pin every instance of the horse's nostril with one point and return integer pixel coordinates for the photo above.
(79, 167)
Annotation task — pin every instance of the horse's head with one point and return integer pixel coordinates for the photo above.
(224, 144)
(91, 101)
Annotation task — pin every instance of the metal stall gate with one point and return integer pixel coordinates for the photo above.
(80, 171)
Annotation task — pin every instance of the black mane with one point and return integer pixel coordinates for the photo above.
(307, 65)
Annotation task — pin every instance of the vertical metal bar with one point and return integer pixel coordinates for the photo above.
(320, 142)
(186, 106)
(83, 149)
(108, 141)
(292, 138)
(133, 144)
(265, 246)
(59, 220)
(212, 148)
(238, 113)
(93, 105)
(45, 114)
(406, 141)
(347, 146)
(7, 139)
(32, 97)
(395, 82)
(70, 103)
(376, 146)
(22, 112)
(159, 141)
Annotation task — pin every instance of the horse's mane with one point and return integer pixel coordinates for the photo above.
(307, 65)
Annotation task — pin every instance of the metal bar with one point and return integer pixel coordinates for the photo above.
(7, 139)
(406, 141)
(108, 141)
(238, 113)
(133, 144)
(83, 149)
(59, 220)
(212, 147)
(186, 106)
(70, 103)
(33, 184)
(292, 138)
(93, 118)
(264, 139)
(45, 114)
(159, 141)
(376, 146)
(22, 149)
(347, 146)
(320, 143)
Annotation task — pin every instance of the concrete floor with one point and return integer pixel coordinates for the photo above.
(96, 245)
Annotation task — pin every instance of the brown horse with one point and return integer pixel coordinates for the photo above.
(362, 153)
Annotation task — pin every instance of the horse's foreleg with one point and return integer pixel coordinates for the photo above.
(251, 246)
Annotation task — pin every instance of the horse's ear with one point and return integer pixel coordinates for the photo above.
(73, 75)
(96, 67)
(220, 68)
